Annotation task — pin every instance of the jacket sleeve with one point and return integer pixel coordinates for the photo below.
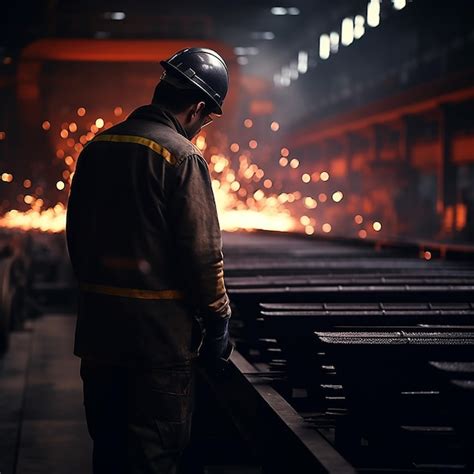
(199, 242)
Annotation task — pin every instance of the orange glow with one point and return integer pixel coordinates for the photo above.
(248, 123)
(7, 177)
(50, 220)
(235, 147)
(309, 230)
(27, 183)
(46, 125)
(294, 163)
(2, 135)
(28, 199)
(310, 203)
(306, 178)
(73, 127)
(99, 123)
(362, 234)
(118, 111)
(358, 219)
(327, 228)
(283, 161)
(377, 226)
(70, 142)
(461, 216)
(64, 133)
(201, 142)
(268, 183)
(324, 176)
(69, 160)
(81, 111)
(253, 144)
(94, 128)
(284, 152)
(66, 174)
(426, 255)
(60, 185)
(275, 126)
(337, 196)
(322, 197)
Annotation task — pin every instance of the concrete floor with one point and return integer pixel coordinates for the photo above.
(42, 423)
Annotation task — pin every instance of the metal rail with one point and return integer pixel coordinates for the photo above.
(271, 425)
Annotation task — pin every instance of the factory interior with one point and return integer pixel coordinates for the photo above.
(342, 170)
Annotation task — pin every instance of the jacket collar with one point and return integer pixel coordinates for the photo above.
(156, 113)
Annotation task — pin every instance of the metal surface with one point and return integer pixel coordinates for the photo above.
(273, 427)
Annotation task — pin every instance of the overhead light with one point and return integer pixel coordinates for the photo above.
(242, 51)
(243, 60)
(359, 26)
(324, 46)
(279, 11)
(263, 35)
(347, 31)
(302, 62)
(399, 4)
(294, 70)
(285, 71)
(293, 11)
(334, 42)
(117, 16)
(373, 13)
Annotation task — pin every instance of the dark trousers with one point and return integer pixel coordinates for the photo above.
(139, 420)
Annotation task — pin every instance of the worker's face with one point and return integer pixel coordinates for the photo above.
(197, 119)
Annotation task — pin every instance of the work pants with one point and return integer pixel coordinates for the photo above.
(139, 420)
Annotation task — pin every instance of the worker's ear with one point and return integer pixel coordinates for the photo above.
(198, 108)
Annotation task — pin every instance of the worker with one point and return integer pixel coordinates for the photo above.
(145, 244)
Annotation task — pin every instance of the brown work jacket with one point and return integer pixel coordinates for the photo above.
(145, 244)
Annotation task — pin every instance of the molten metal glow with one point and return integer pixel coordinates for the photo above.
(254, 187)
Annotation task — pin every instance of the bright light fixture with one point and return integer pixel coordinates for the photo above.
(399, 4)
(302, 62)
(279, 11)
(373, 13)
(324, 46)
(347, 31)
(117, 16)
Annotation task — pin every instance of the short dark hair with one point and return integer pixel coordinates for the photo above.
(177, 100)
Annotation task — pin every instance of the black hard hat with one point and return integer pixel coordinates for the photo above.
(202, 68)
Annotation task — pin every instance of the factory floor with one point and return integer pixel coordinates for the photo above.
(42, 424)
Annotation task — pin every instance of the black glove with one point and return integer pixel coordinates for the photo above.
(216, 351)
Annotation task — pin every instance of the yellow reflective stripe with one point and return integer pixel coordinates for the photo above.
(132, 293)
(156, 147)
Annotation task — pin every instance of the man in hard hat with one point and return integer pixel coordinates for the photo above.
(145, 244)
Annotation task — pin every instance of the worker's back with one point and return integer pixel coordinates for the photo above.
(121, 239)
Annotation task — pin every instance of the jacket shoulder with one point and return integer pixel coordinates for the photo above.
(160, 138)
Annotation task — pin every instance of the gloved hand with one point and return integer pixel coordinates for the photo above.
(216, 349)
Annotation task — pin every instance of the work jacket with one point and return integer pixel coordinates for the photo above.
(145, 244)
